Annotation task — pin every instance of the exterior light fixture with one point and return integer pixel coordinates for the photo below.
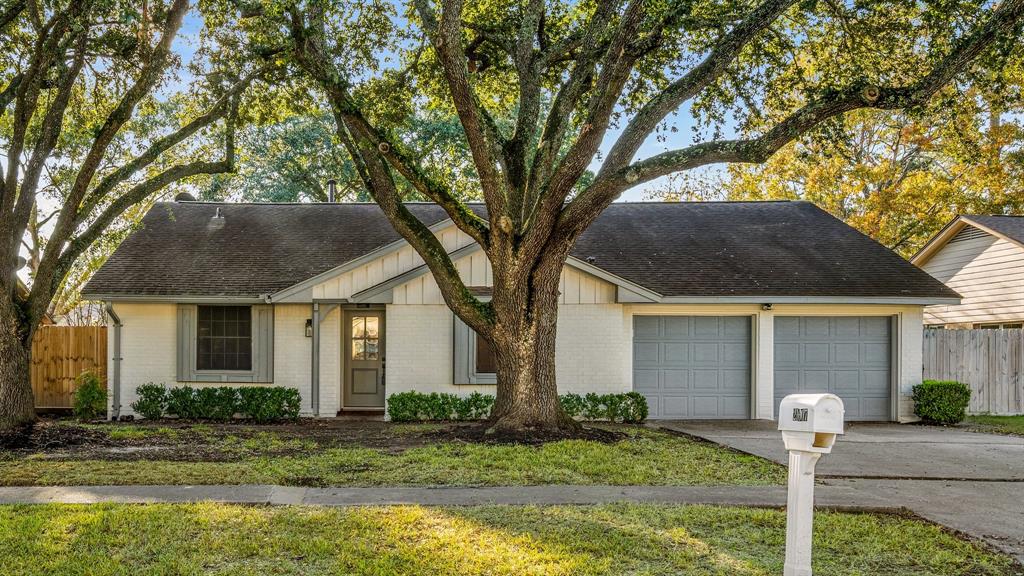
(766, 307)
(309, 327)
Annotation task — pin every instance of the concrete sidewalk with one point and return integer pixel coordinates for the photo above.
(989, 511)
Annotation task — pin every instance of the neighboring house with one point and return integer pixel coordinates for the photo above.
(710, 310)
(982, 258)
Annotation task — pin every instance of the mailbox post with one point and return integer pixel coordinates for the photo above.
(809, 425)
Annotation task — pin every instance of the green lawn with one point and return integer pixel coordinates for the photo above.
(643, 457)
(998, 424)
(619, 539)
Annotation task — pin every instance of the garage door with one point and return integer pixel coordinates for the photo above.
(849, 356)
(693, 366)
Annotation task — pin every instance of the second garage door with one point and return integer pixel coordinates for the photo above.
(693, 366)
(849, 356)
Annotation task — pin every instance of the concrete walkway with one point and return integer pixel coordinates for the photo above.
(989, 511)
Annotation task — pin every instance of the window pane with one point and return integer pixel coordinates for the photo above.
(484, 357)
(224, 340)
(371, 326)
(358, 327)
(358, 350)
(371, 349)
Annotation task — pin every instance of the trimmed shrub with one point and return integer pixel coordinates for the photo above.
(216, 403)
(941, 401)
(90, 398)
(262, 404)
(152, 401)
(269, 404)
(181, 402)
(414, 406)
(573, 404)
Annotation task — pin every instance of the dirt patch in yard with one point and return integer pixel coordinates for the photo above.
(186, 441)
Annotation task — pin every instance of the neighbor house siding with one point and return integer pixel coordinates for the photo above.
(987, 271)
(149, 351)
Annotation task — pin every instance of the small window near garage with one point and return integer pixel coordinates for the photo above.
(224, 338)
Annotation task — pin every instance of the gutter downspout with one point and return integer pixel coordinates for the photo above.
(115, 381)
(315, 374)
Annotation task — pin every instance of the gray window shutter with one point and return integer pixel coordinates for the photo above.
(263, 343)
(186, 342)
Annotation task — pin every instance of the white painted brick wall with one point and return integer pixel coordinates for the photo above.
(592, 350)
(149, 349)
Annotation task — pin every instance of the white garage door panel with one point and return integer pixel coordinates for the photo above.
(849, 356)
(693, 366)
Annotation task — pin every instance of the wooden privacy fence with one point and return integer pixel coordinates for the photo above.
(990, 361)
(59, 355)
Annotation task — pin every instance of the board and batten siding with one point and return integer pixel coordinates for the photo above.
(576, 287)
(987, 271)
(387, 266)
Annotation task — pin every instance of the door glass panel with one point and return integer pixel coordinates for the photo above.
(365, 338)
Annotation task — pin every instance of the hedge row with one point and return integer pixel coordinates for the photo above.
(942, 401)
(259, 403)
(415, 406)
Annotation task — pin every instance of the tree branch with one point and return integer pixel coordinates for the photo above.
(707, 72)
(1004, 20)
(121, 113)
(446, 36)
(217, 111)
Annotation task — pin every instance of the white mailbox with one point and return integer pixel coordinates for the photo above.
(809, 425)
(810, 422)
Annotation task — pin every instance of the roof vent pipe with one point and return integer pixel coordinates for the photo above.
(332, 187)
(218, 219)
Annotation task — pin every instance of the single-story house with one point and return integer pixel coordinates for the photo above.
(982, 258)
(710, 310)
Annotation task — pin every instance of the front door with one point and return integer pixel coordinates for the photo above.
(364, 358)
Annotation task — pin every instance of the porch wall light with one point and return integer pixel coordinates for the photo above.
(309, 327)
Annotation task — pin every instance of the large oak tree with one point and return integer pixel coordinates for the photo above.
(95, 118)
(545, 89)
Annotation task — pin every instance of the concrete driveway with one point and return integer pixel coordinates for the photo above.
(880, 450)
(968, 481)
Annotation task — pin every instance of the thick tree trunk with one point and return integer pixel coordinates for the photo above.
(524, 349)
(17, 406)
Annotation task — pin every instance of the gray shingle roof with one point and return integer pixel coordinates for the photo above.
(675, 249)
(1010, 226)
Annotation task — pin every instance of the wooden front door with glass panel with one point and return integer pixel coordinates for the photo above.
(364, 358)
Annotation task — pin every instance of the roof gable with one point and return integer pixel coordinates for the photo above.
(1009, 228)
(672, 250)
